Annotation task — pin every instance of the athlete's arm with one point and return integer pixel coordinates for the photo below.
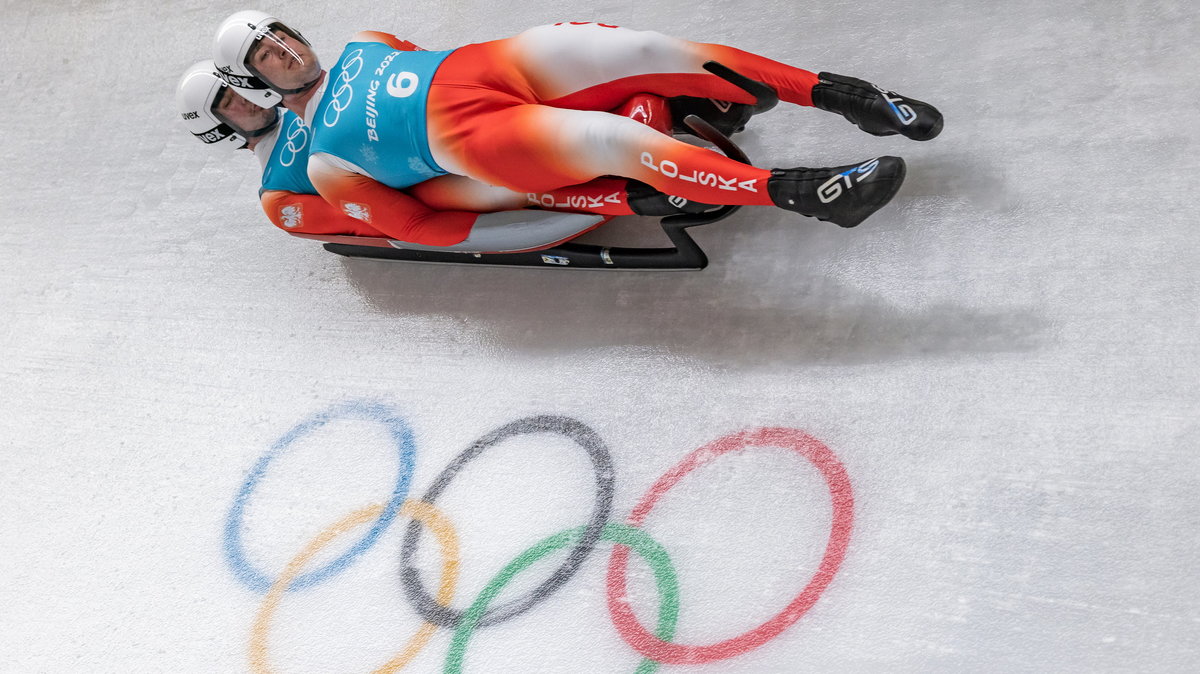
(392, 212)
(310, 214)
(404, 218)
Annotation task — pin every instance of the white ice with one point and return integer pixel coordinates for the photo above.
(1005, 361)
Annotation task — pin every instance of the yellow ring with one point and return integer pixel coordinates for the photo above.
(424, 513)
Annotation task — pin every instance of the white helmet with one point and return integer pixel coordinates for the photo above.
(199, 92)
(236, 37)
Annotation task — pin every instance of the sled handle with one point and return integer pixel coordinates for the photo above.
(767, 98)
(677, 223)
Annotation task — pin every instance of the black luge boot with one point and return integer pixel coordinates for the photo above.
(876, 110)
(728, 118)
(844, 195)
(645, 200)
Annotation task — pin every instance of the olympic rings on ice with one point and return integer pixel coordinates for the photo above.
(597, 451)
(839, 538)
(436, 611)
(405, 448)
(420, 512)
(665, 579)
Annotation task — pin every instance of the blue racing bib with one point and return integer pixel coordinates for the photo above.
(287, 167)
(373, 113)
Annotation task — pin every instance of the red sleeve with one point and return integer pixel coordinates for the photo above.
(386, 38)
(310, 214)
(392, 212)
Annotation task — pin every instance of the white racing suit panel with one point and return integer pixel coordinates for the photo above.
(512, 231)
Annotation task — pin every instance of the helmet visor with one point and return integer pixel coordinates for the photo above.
(244, 117)
(283, 59)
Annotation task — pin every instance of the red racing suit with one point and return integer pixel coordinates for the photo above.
(527, 114)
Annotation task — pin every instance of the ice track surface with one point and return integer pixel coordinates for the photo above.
(984, 400)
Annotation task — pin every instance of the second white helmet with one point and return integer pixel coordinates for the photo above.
(198, 97)
(237, 37)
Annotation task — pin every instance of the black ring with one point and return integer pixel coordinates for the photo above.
(597, 451)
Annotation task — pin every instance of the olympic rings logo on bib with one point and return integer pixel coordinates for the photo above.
(342, 87)
(656, 647)
(295, 143)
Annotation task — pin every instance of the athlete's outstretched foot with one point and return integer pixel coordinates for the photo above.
(844, 195)
(876, 110)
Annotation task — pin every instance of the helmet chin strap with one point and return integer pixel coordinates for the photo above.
(308, 86)
(266, 129)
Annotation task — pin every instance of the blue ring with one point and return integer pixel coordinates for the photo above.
(369, 411)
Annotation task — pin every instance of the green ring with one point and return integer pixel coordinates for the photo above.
(647, 548)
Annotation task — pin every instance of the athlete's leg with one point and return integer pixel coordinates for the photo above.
(537, 148)
(602, 196)
(483, 122)
(594, 66)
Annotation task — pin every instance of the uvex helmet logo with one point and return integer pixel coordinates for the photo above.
(237, 81)
(214, 135)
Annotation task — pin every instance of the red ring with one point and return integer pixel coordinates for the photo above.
(839, 539)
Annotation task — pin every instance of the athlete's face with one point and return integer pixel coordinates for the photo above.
(287, 63)
(243, 113)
